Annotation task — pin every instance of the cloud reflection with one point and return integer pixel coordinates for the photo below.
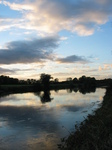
(40, 125)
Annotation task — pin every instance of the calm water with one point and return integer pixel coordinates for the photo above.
(37, 121)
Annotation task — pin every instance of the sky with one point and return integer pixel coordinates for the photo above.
(57, 37)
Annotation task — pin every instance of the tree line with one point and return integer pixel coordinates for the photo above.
(46, 80)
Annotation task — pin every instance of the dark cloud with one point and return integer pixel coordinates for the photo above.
(73, 59)
(27, 124)
(36, 50)
(3, 70)
(23, 113)
(72, 108)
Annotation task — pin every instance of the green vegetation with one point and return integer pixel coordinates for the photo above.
(95, 133)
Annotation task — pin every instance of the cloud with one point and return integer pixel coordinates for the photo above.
(72, 108)
(73, 59)
(5, 24)
(34, 118)
(51, 16)
(11, 23)
(105, 67)
(18, 6)
(36, 50)
(3, 71)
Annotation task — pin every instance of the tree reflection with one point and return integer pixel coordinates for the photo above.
(69, 90)
(45, 97)
(56, 90)
(85, 90)
(75, 90)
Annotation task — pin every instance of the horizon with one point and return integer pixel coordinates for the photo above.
(52, 78)
(74, 41)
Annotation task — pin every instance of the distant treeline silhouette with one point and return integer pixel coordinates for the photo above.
(47, 80)
(46, 83)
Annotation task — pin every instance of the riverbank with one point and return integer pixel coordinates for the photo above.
(95, 133)
(10, 89)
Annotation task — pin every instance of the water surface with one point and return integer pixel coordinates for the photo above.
(31, 121)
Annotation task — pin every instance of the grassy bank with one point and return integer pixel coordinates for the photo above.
(95, 133)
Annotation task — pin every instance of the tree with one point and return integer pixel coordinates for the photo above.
(7, 80)
(75, 80)
(56, 80)
(45, 80)
(31, 81)
(69, 79)
(87, 81)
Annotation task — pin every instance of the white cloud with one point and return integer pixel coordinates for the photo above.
(105, 67)
(18, 7)
(100, 68)
(63, 38)
(51, 16)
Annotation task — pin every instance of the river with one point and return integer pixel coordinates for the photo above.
(37, 121)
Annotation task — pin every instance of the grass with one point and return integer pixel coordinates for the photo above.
(95, 133)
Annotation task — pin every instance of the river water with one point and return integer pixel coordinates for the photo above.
(37, 121)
